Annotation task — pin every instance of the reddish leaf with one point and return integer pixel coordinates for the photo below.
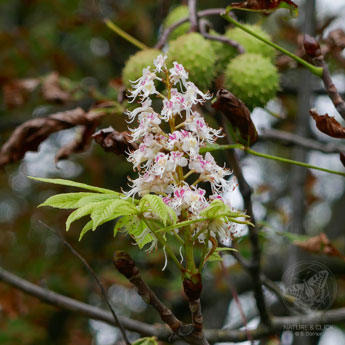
(266, 6)
(29, 135)
(114, 141)
(311, 46)
(238, 115)
(328, 125)
(320, 245)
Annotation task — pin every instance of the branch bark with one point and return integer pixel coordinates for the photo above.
(192, 334)
(254, 266)
(161, 331)
(193, 18)
(203, 26)
(294, 139)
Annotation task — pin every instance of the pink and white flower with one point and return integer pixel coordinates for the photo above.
(163, 159)
(178, 74)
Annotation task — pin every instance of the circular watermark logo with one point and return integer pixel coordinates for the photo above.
(308, 285)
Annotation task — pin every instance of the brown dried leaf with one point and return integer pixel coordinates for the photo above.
(320, 245)
(114, 141)
(328, 125)
(16, 91)
(52, 91)
(267, 6)
(80, 144)
(238, 115)
(29, 135)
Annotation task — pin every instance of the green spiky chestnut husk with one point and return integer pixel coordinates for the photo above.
(253, 79)
(197, 56)
(136, 63)
(250, 43)
(174, 16)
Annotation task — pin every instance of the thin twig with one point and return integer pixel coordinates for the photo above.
(294, 139)
(204, 26)
(193, 18)
(237, 300)
(164, 37)
(331, 89)
(94, 275)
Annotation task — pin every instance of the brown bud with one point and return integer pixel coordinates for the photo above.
(193, 286)
(125, 264)
(311, 46)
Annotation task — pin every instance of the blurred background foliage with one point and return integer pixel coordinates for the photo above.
(38, 37)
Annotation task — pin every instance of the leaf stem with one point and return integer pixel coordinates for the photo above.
(125, 35)
(290, 161)
(216, 147)
(267, 156)
(163, 243)
(318, 71)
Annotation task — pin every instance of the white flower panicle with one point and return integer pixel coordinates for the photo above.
(165, 160)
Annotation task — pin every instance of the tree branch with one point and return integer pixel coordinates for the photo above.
(203, 30)
(254, 267)
(193, 18)
(294, 139)
(313, 50)
(94, 275)
(192, 334)
(81, 308)
(161, 331)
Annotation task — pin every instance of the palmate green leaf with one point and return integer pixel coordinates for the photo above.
(66, 200)
(121, 224)
(140, 232)
(111, 209)
(74, 184)
(157, 206)
(81, 212)
(216, 207)
(87, 227)
(96, 197)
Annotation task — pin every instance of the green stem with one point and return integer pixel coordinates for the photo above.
(275, 158)
(216, 147)
(163, 243)
(204, 251)
(290, 161)
(178, 237)
(182, 224)
(315, 70)
(125, 35)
